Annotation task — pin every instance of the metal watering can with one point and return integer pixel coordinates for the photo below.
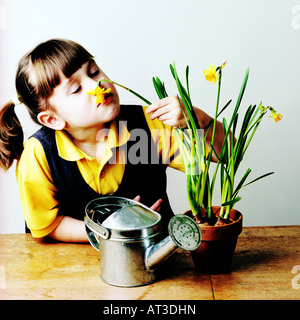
(126, 234)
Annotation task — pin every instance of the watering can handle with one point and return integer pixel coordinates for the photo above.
(92, 228)
(92, 238)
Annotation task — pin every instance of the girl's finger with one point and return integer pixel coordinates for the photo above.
(159, 112)
(166, 116)
(156, 205)
(137, 198)
(159, 104)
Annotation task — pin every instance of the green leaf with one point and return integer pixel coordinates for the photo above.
(161, 86)
(231, 202)
(234, 115)
(224, 171)
(253, 116)
(240, 185)
(238, 103)
(260, 177)
(158, 87)
(227, 141)
(226, 105)
(187, 80)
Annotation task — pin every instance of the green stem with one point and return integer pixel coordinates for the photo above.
(213, 134)
(216, 113)
(128, 89)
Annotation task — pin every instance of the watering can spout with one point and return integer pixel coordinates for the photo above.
(183, 233)
(159, 252)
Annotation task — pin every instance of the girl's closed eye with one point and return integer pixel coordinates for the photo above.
(93, 69)
(77, 90)
(94, 73)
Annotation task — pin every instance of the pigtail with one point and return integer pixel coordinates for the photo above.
(11, 136)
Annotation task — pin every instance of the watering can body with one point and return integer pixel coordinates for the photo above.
(127, 236)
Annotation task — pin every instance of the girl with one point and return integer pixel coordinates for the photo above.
(83, 149)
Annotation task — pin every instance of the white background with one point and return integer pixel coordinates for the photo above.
(134, 40)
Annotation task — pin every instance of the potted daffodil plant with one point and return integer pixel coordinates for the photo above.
(220, 224)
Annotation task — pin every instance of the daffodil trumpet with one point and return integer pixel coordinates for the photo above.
(275, 116)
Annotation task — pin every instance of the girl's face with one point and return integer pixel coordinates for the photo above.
(76, 108)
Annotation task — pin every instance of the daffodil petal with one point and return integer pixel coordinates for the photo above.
(91, 92)
(107, 90)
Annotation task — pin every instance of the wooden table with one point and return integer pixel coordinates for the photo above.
(42, 269)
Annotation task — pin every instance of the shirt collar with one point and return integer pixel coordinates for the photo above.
(70, 152)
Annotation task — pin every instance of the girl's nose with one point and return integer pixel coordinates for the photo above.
(89, 83)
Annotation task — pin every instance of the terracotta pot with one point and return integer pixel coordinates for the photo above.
(218, 245)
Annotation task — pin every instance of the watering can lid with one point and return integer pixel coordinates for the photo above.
(131, 217)
(117, 213)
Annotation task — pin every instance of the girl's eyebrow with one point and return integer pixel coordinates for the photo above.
(92, 62)
(67, 83)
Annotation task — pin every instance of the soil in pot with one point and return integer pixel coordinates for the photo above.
(218, 245)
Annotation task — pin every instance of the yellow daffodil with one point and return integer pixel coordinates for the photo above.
(275, 116)
(99, 92)
(211, 74)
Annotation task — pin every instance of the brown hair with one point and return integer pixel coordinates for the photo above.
(38, 73)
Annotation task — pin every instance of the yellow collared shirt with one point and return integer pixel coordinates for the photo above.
(34, 178)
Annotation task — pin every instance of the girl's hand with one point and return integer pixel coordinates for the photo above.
(154, 207)
(168, 110)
